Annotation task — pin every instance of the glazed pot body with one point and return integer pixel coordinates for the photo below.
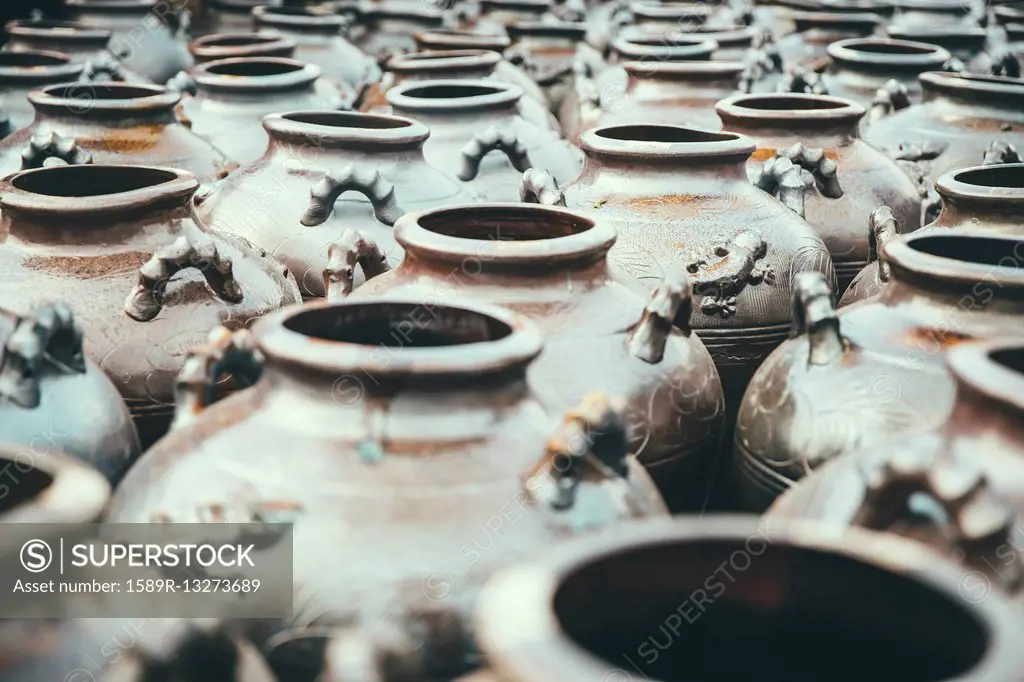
(137, 327)
(22, 72)
(874, 371)
(111, 124)
(590, 324)
(268, 201)
(410, 490)
(85, 45)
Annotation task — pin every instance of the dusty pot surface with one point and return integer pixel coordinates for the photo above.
(873, 370)
(681, 599)
(815, 31)
(233, 95)
(546, 50)
(105, 123)
(366, 392)
(228, 16)
(295, 200)
(109, 241)
(388, 28)
(236, 45)
(24, 71)
(52, 398)
(550, 266)
(971, 467)
(848, 177)
(84, 44)
(149, 36)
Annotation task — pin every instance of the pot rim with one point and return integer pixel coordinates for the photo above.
(972, 365)
(408, 11)
(60, 69)
(533, 645)
(810, 20)
(240, 6)
(727, 146)
(176, 184)
(575, 30)
(201, 47)
(301, 75)
(303, 18)
(589, 243)
(1008, 14)
(516, 349)
(140, 6)
(732, 110)
(937, 6)
(538, 6)
(903, 256)
(698, 70)
(645, 9)
(942, 36)
(502, 95)
(456, 39)
(971, 85)
(54, 29)
(727, 36)
(880, 7)
(287, 126)
(925, 58)
(954, 186)
(77, 494)
(447, 60)
(682, 48)
(157, 98)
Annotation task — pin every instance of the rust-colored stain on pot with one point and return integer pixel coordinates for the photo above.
(92, 267)
(944, 338)
(765, 153)
(126, 140)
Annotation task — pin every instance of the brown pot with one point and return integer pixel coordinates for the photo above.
(288, 201)
(497, 15)
(969, 44)
(366, 392)
(233, 95)
(84, 44)
(468, 119)
(971, 467)
(111, 124)
(237, 45)
(461, 39)
(873, 371)
(133, 231)
(387, 28)
(546, 50)
(598, 334)
(725, 598)
(915, 14)
(849, 177)
(24, 71)
(807, 46)
(228, 16)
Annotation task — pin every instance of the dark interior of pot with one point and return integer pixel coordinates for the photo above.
(1010, 176)
(341, 119)
(29, 59)
(451, 91)
(1010, 358)
(729, 610)
(101, 92)
(238, 40)
(298, 657)
(50, 24)
(254, 67)
(890, 48)
(1004, 253)
(90, 180)
(659, 133)
(24, 482)
(504, 223)
(398, 325)
(785, 103)
(665, 41)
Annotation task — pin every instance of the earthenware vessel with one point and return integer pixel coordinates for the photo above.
(913, 14)
(110, 241)
(296, 201)
(546, 50)
(969, 44)
(388, 28)
(366, 391)
(22, 72)
(235, 45)
(497, 15)
(815, 31)
(228, 16)
(84, 44)
(461, 39)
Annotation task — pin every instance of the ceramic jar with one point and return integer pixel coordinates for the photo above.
(469, 119)
(914, 14)
(149, 36)
(228, 16)
(442, 39)
(47, 488)
(966, 43)
(848, 177)
(24, 71)
(873, 371)
(496, 15)
(550, 265)
(236, 45)
(807, 47)
(546, 50)
(52, 398)
(233, 95)
(132, 231)
(737, 584)
(111, 123)
(84, 44)
(388, 28)
(296, 201)
(413, 427)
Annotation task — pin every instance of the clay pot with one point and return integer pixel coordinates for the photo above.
(24, 71)
(468, 119)
(807, 46)
(238, 45)
(133, 231)
(546, 50)
(149, 35)
(45, 488)
(461, 39)
(550, 266)
(84, 44)
(111, 123)
(320, 40)
(966, 43)
(679, 600)
(228, 16)
(233, 95)
(389, 28)
(45, 380)
(425, 554)
(680, 201)
(932, 13)
(873, 370)
(849, 178)
(969, 468)
(287, 202)
(497, 15)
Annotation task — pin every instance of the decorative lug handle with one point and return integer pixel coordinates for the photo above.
(999, 152)
(805, 81)
(779, 176)
(823, 169)
(184, 83)
(147, 300)
(981, 521)
(490, 140)
(354, 248)
(369, 183)
(882, 228)
(540, 187)
(761, 60)
(720, 278)
(50, 149)
(917, 151)
(1004, 63)
(47, 333)
(670, 306)
(225, 352)
(105, 68)
(587, 62)
(814, 314)
(953, 65)
(891, 97)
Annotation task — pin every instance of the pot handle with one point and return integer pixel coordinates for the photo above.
(104, 66)
(670, 307)
(823, 170)
(814, 314)
(778, 175)
(981, 520)
(225, 352)
(490, 140)
(761, 59)
(882, 228)
(1004, 63)
(183, 82)
(51, 149)
(719, 277)
(354, 248)
(805, 81)
(147, 299)
(540, 187)
(48, 332)
(891, 97)
(326, 191)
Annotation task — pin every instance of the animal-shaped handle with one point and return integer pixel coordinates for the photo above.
(720, 277)
(540, 187)
(48, 333)
(225, 352)
(814, 314)
(369, 183)
(891, 97)
(183, 82)
(354, 248)
(780, 176)
(882, 228)
(805, 81)
(670, 307)
(490, 140)
(50, 149)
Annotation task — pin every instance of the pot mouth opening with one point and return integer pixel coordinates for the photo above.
(810, 20)
(90, 181)
(569, 30)
(995, 369)
(89, 99)
(237, 40)
(132, 6)
(972, 85)
(513, 223)
(992, 187)
(28, 486)
(298, 17)
(28, 59)
(349, 119)
(661, 133)
(253, 67)
(665, 142)
(346, 128)
(664, 47)
(963, 260)
(926, 34)
(430, 60)
(969, 249)
(792, 109)
(461, 95)
(885, 52)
